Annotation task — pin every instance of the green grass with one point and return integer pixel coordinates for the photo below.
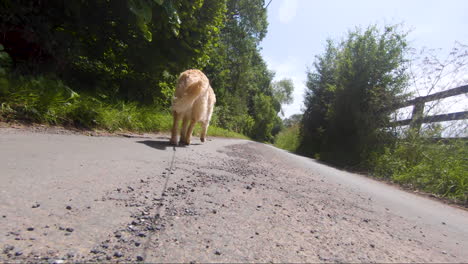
(436, 167)
(49, 101)
(288, 138)
(215, 131)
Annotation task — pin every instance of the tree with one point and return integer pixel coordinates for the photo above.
(239, 75)
(321, 88)
(292, 120)
(350, 94)
(282, 91)
(132, 49)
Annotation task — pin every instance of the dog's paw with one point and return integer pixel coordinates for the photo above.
(202, 139)
(173, 142)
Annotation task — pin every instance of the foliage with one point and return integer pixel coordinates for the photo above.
(131, 52)
(292, 120)
(282, 91)
(438, 167)
(350, 94)
(240, 76)
(98, 45)
(265, 118)
(288, 138)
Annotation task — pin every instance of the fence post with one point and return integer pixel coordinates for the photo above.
(417, 116)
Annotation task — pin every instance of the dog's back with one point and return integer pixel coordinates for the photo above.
(191, 84)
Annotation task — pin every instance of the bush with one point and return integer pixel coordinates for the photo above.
(288, 138)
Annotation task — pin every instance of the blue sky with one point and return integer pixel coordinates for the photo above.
(298, 30)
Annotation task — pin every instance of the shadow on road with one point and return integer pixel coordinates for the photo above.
(162, 144)
(157, 144)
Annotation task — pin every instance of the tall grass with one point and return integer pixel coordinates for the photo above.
(436, 167)
(50, 101)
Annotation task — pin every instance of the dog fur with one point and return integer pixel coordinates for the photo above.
(193, 102)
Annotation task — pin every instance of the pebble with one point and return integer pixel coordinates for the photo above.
(68, 207)
(36, 205)
(18, 253)
(8, 248)
(30, 228)
(217, 252)
(118, 254)
(69, 229)
(139, 258)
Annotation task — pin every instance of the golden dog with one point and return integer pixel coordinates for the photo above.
(193, 102)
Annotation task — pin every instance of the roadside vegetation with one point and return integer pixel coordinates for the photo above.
(348, 114)
(114, 64)
(50, 101)
(434, 166)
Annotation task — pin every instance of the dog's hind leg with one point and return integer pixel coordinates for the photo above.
(175, 127)
(204, 130)
(190, 131)
(183, 130)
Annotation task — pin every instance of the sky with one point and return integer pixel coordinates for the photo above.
(298, 30)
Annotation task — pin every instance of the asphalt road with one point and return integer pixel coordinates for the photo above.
(71, 197)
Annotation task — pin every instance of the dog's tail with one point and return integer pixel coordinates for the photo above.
(191, 93)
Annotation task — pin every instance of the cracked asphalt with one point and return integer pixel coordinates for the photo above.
(68, 197)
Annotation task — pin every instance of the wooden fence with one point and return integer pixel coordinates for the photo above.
(418, 118)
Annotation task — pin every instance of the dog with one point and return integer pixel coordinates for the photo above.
(193, 102)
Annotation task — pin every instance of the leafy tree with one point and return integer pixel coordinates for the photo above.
(239, 75)
(132, 49)
(292, 120)
(282, 91)
(321, 87)
(350, 94)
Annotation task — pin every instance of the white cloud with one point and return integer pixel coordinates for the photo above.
(287, 11)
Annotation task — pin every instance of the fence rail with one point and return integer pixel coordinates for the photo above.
(417, 118)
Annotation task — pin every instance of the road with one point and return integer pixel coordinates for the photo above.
(72, 197)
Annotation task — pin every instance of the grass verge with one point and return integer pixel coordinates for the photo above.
(439, 167)
(49, 101)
